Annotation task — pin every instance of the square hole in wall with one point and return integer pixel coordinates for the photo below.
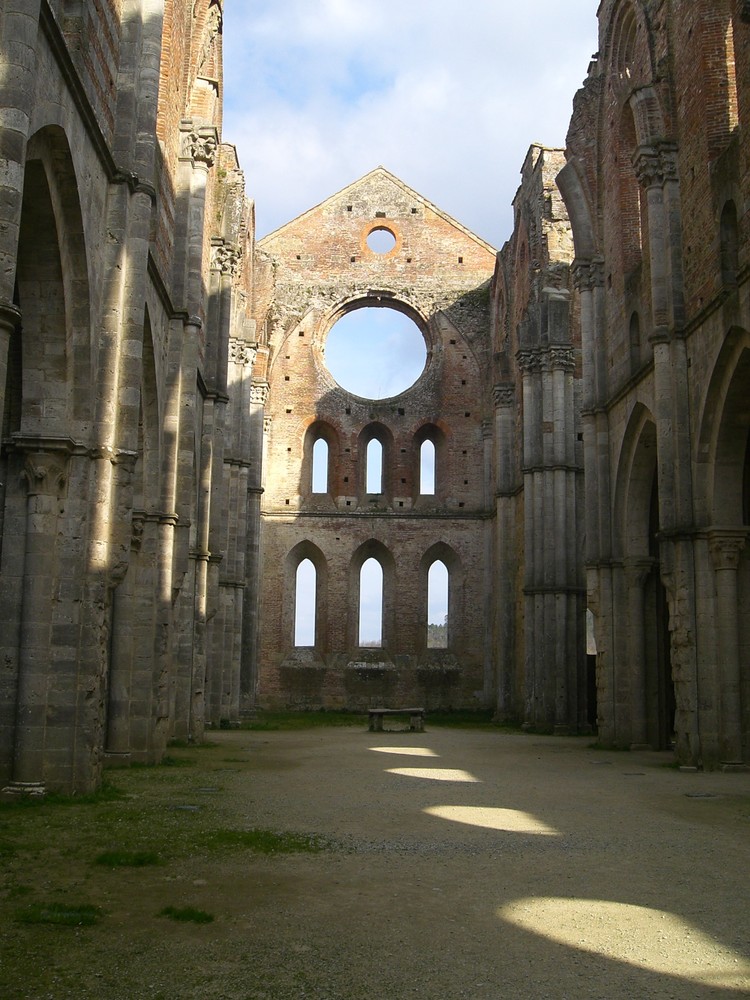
(463, 452)
(403, 480)
(401, 411)
(299, 257)
(414, 211)
(463, 381)
(348, 503)
(302, 333)
(286, 502)
(453, 341)
(466, 482)
(346, 479)
(461, 503)
(401, 503)
(288, 409)
(467, 414)
(408, 260)
(352, 260)
(286, 378)
(348, 208)
(460, 260)
(347, 449)
(380, 215)
(348, 412)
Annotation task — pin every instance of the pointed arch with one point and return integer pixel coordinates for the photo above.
(723, 435)
(372, 549)
(430, 461)
(313, 604)
(320, 458)
(441, 552)
(635, 477)
(368, 478)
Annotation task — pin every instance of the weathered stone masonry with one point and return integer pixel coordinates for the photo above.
(163, 384)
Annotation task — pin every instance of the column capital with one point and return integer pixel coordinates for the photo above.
(504, 394)
(637, 570)
(655, 164)
(726, 545)
(240, 352)
(587, 274)
(226, 258)
(199, 143)
(259, 393)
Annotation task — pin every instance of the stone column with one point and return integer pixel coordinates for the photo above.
(20, 27)
(507, 557)
(46, 464)
(259, 426)
(726, 547)
(637, 572)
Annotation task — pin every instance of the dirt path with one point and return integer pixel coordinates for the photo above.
(462, 864)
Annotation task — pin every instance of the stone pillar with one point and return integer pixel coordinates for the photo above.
(507, 557)
(726, 547)
(120, 695)
(20, 27)
(45, 471)
(637, 572)
(259, 426)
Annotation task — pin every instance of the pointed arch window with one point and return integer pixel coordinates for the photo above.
(427, 468)
(370, 631)
(320, 466)
(438, 582)
(374, 470)
(305, 603)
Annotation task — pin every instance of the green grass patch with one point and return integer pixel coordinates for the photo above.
(128, 859)
(191, 745)
(284, 721)
(107, 793)
(187, 914)
(264, 841)
(62, 914)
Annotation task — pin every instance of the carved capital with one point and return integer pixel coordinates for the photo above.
(556, 357)
(504, 394)
(655, 165)
(726, 545)
(259, 393)
(266, 430)
(587, 274)
(226, 258)
(637, 571)
(200, 144)
(45, 473)
(240, 352)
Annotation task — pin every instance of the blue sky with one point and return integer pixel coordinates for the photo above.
(448, 96)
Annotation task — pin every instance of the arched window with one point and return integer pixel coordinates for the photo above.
(305, 604)
(374, 471)
(437, 605)
(427, 468)
(320, 466)
(371, 603)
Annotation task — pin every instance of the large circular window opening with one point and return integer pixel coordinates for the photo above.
(381, 240)
(375, 352)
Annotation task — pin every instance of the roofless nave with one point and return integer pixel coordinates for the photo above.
(165, 390)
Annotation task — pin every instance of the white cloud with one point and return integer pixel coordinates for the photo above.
(447, 96)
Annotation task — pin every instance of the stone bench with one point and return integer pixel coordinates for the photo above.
(416, 718)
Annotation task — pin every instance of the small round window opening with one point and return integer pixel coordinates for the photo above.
(381, 240)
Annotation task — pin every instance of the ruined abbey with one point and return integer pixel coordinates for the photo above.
(585, 399)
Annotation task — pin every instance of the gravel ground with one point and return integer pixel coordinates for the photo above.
(457, 863)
